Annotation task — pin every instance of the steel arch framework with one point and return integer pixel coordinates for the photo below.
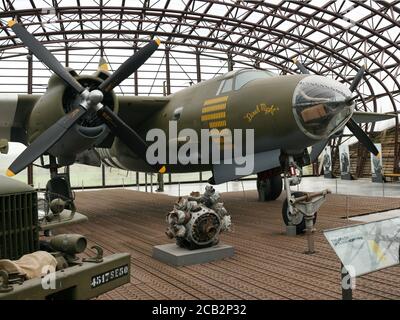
(332, 38)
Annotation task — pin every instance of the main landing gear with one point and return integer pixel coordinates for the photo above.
(269, 185)
(300, 208)
(56, 205)
(59, 184)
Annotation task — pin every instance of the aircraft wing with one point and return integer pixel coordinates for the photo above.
(14, 114)
(134, 110)
(364, 117)
(262, 161)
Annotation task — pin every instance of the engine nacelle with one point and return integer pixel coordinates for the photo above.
(61, 99)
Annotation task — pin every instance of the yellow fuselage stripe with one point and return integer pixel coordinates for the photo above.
(217, 124)
(215, 100)
(213, 116)
(217, 107)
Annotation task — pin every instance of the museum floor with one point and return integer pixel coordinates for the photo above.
(267, 263)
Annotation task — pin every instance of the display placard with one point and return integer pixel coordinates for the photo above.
(367, 247)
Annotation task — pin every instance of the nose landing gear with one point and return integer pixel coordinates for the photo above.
(300, 208)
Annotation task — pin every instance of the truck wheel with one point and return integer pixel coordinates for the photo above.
(269, 189)
(297, 220)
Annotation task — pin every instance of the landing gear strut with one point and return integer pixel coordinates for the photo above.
(59, 184)
(300, 209)
(56, 205)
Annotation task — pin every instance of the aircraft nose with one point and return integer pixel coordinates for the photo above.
(321, 106)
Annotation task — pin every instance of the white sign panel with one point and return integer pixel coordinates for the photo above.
(368, 247)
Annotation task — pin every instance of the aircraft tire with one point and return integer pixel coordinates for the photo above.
(300, 225)
(269, 189)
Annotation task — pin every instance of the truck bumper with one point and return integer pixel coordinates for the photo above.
(81, 282)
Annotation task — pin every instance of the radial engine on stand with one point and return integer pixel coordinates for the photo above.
(197, 221)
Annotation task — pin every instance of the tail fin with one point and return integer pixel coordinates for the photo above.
(103, 65)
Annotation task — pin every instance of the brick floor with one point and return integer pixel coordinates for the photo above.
(267, 263)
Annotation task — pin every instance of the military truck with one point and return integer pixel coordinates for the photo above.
(25, 244)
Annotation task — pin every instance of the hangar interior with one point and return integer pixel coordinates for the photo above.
(202, 40)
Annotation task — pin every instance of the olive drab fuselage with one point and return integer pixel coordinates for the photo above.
(264, 104)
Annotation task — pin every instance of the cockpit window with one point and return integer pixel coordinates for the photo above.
(246, 76)
(227, 85)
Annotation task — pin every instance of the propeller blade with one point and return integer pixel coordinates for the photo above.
(44, 55)
(126, 134)
(129, 66)
(362, 137)
(301, 67)
(317, 149)
(45, 141)
(357, 79)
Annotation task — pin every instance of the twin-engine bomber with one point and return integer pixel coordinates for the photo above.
(81, 119)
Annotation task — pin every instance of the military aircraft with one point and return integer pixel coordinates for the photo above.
(80, 118)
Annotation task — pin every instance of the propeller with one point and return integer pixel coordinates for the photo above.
(44, 55)
(351, 124)
(301, 67)
(129, 66)
(45, 141)
(362, 137)
(317, 149)
(89, 101)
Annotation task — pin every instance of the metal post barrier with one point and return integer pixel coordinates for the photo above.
(145, 181)
(244, 192)
(103, 176)
(151, 182)
(179, 189)
(160, 181)
(347, 291)
(310, 234)
(137, 180)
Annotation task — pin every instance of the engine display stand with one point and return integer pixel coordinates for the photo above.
(174, 255)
